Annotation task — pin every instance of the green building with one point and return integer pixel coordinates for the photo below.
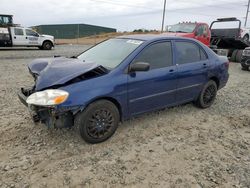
(71, 31)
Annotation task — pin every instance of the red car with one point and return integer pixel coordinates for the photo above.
(198, 31)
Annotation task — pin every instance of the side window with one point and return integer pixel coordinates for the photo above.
(199, 31)
(31, 33)
(202, 30)
(158, 55)
(203, 55)
(18, 31)
(205, 32)
(188, 52)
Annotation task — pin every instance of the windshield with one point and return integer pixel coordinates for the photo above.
(182, 28)
(110, 53)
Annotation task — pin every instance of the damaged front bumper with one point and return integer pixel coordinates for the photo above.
(52, 116)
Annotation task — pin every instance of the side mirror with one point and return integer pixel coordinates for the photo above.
(196, 33)
(139, 66)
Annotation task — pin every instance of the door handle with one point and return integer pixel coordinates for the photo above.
(171, 70)
(14, 37)
(204, 65)
(26, 37)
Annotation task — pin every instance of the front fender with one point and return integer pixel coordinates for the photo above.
(85, 92)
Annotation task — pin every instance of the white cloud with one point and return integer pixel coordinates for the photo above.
(123, 15)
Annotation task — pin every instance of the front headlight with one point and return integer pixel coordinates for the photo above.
(48, 97)
(246, 52)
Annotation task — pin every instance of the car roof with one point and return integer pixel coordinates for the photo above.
(149, 37)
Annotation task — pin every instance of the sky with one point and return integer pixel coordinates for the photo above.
(122, 15)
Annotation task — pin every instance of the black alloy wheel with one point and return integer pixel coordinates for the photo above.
(207, 95)
(98, 121)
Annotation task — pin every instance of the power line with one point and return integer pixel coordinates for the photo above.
(122, 4)
(145, 7)
(181, 10)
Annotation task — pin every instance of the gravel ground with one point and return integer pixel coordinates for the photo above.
(178, 147)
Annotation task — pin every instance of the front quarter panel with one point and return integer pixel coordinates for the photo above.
(109, 86)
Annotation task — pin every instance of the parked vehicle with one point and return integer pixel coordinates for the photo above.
(229, 42)
(245, 60)
(12, 35)
(244, 34)
(195, 30)
(121, 78)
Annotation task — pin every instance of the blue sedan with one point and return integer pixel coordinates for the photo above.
(121, 78)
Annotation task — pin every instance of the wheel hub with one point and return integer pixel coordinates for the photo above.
(100, 123)
(209, 94)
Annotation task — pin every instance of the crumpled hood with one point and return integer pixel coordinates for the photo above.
(57, 71)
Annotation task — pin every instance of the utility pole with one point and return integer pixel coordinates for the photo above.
(247, 13)
(163, 15)
(78, 33)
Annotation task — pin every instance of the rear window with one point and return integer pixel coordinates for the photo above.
(188, 52)
(18, 31)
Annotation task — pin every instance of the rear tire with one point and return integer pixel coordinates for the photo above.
(98, 122)
(47, 45)
(239, 55)
(207, 95)
(233, 57)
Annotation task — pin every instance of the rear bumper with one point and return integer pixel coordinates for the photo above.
(51, 116)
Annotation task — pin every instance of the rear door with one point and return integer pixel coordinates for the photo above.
(155, 88)
(192, 63)
(18, 37)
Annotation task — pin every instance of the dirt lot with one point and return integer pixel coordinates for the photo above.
(178, 147)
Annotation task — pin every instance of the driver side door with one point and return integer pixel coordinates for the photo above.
(32, 37)
(155, 88)
(202, 34)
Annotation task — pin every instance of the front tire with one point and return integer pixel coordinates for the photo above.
(246, 38)
(98, 122)
(233, 56)
(207, 95)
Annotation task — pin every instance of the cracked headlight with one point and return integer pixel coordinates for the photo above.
(48, 97)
